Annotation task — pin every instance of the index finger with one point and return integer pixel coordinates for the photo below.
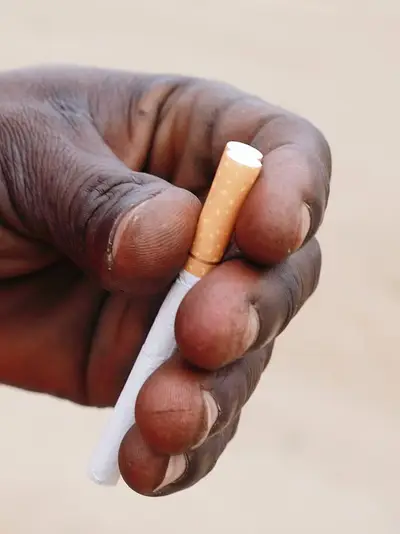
(287, 204)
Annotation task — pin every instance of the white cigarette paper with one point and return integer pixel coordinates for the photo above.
(238, 170)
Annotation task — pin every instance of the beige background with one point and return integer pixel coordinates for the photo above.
(318, 450)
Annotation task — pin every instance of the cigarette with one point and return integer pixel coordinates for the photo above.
(237, 172)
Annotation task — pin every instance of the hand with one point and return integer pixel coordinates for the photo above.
(102, 175)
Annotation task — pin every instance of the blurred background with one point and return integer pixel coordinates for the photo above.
(318, 450)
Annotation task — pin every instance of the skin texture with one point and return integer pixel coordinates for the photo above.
(102, 175)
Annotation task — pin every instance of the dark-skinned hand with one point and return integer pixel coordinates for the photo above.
(102, 175)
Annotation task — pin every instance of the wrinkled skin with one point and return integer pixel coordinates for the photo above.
(102, 175)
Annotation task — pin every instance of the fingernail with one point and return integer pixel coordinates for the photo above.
(177, 466)
(305, 224)
(253, 328)
(211, 416)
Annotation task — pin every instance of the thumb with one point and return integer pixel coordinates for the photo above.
(130, 230)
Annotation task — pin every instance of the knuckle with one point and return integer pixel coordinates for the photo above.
(285, 130)
(90, 195)
(313, 256)
(234, 427)
(291, 285)
(289, 129)
(16, 135)
(35, 150)
(320, 162)
(15, 132)
(309, 135)
(99, 189)
(69, 111)
(233, 386)
(203, 460)
(298, 278)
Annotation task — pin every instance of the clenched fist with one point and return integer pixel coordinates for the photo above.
(102, 176)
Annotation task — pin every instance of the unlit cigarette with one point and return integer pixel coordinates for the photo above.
(237, 172)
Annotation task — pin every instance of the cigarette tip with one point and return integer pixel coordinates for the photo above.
(244, 154)
(109, 482)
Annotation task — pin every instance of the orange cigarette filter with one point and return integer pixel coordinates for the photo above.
(237, 172)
